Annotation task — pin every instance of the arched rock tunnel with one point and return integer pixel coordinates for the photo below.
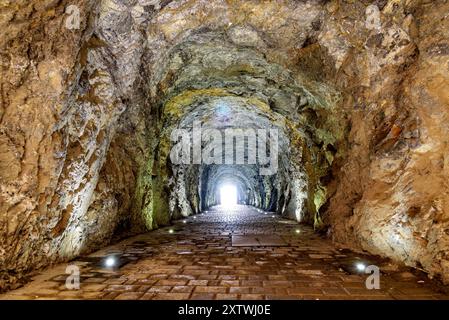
(333, 104)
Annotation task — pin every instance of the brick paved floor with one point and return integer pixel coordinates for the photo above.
(195, 259)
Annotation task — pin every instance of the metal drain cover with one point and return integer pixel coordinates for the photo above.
(255, 240)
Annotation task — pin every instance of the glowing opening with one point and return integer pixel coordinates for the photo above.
(228, 195)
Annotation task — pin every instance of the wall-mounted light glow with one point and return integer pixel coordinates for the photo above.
(228, 196)
(110, 262)
(360, 266)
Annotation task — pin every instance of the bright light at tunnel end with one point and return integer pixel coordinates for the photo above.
(228, 196)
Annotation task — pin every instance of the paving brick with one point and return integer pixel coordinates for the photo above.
(158, 276)
(182, 277)
(115, 281)
(247, 296)
(94, 280)
(110, 295)
(264, 290)
(171, 282)
(121, 287)
(160, 289)
(182, 289)
(171, 296)
(226, 296)
(207, 277)
(202, 296)
(75, 294)
(129, 296)
(364, 292)
(305, 291)
(148, 296)
(93, 287)
(227, 277)
(229, 283)
(252, 283)
(209, 289)
(198, 282)
(334, 292)
(277, 283)
(45, 292)
(239, 290)
(144, 282)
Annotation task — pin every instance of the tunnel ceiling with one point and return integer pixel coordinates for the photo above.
(352, 88)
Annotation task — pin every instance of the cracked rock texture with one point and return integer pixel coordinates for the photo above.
(358, 90)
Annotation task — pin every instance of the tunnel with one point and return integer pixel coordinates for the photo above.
(316, 125)
(223, 109)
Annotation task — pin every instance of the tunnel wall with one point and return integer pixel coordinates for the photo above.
(390, 194)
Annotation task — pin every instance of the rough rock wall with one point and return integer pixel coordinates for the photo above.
(39, 69)
(391, 193)
(68, 181)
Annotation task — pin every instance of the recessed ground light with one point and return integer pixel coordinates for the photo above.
(171, 231)
(110, 262)
(273, 216)
(298, 231)
(184, 221)
(194, 217)
(360, 266)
